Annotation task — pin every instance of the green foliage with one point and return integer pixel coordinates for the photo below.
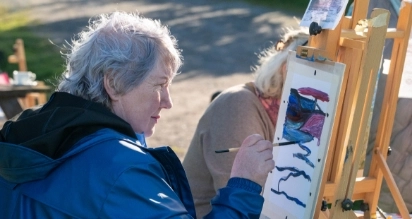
(42, 57)
(293, 6)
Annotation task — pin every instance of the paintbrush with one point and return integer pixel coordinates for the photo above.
(274, 144)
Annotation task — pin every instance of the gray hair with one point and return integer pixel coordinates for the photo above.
(268, 74)
(123, 46)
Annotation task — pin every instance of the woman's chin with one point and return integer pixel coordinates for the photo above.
(149, 133)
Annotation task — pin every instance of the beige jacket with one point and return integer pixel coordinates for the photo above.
(235, 114)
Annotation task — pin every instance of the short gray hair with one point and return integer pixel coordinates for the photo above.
(123, 46)
(268, 74)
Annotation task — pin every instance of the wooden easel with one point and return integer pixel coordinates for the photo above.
(361, 52)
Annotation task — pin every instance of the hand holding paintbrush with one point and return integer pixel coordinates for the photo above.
(254, 160)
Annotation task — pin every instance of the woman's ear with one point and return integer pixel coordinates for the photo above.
(108, 86)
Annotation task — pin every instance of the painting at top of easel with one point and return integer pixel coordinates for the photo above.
(306, 116)
(326, 13)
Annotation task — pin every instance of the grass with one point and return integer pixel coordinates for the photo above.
(42, 57)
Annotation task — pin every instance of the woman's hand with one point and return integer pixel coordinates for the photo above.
(254, 160)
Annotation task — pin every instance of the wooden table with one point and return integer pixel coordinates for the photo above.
(10, 94)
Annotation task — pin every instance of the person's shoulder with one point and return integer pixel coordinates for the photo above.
(237, 93)
(239, 88)
(236, 98)
(115, 148)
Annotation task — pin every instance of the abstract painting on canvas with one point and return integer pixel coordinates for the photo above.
(306, 115)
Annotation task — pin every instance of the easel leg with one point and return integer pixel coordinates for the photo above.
(387, 175)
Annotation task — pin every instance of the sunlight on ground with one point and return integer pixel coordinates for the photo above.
(11, 20)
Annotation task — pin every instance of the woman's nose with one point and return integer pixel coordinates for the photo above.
(166, 101)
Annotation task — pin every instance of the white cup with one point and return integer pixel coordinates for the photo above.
(23, 78)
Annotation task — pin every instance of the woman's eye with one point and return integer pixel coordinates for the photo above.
(161, 86)
(166, 84)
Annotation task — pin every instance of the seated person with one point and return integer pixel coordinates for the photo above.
(234, 114)
(83, 154)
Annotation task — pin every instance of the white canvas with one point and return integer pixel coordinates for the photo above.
(291, 189)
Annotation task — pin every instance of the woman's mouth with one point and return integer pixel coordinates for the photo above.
(156, 118)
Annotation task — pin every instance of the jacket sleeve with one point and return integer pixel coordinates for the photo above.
(141, 191)
(239, 199)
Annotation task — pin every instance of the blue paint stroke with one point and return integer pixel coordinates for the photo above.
(296, 200)
(291, 132)
(295, 172)
(304, 157)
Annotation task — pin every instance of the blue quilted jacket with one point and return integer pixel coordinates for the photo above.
(74, 159)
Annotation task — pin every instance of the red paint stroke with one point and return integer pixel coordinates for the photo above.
(314, 126)
(314, 93)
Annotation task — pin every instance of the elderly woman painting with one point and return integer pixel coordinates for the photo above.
(83, 154)
(233, 115)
